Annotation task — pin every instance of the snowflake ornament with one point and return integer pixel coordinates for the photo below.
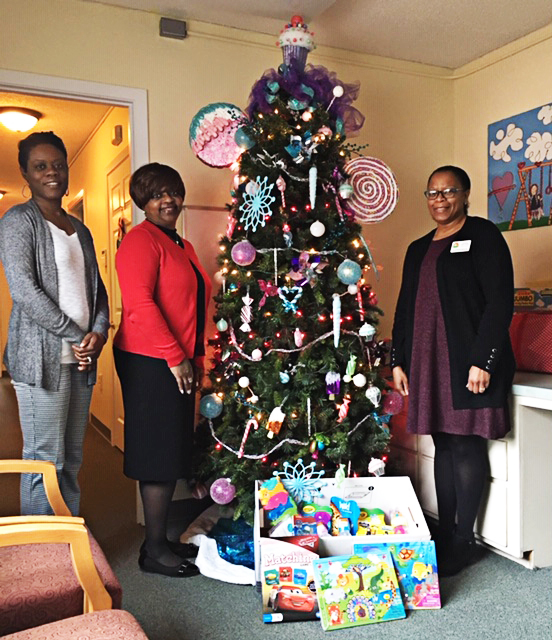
(301, 481)
(256, 205)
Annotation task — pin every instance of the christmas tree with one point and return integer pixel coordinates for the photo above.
(296, 384)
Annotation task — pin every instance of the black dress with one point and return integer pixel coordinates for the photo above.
(430, 407)
(159, 420)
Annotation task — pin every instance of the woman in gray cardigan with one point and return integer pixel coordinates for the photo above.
(59, 320)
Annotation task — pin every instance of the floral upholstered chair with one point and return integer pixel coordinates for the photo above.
(40, 581)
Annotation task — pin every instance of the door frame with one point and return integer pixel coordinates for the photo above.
(66, 88)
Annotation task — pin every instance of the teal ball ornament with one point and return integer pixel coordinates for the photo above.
(349, 272)
(284, 377)
(243, 139)
(222, 325)
(210, 406)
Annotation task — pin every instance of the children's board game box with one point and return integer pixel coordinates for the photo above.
(374, 510)
(358, 589)
(416, 567)
(287, 579)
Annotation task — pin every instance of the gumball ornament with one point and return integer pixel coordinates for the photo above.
(359, 380)
(317, 229)
(243, 253)
(349, 272)
(222, 491)
(210, 406)
(222, 325)
(243, 139)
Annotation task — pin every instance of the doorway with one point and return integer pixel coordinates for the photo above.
(125, 107)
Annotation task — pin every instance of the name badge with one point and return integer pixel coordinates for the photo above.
(460, 246)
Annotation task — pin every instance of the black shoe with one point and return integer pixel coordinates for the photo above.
(184, 570)
(183, 549)
(461, 554)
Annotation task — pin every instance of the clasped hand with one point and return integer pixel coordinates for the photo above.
(88, 351)
(188, 378)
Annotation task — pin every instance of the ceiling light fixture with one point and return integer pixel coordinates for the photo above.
(19, 119)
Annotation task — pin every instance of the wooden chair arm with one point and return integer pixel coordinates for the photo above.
(53, 529)
(51, 485)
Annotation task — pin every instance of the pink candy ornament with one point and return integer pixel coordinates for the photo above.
(243, 253)
(212, 133)
(222, 491)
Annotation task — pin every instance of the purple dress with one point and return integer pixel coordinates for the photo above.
(430, 395)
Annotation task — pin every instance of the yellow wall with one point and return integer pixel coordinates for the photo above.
(417, 117)
(505, 83)
(407, 106)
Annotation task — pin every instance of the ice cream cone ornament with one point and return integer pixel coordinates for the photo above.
(296, 41)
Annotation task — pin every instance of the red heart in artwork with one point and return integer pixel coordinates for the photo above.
(502, 185)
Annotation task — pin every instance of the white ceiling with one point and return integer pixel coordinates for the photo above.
(446, 33)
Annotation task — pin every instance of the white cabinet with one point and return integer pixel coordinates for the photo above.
(515, 517)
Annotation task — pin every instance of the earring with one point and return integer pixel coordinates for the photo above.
(26, 186)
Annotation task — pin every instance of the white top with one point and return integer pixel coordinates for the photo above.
(71, 284)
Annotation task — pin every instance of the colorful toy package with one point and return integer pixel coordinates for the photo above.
(357, 590)
(288, 588)
(416, 567)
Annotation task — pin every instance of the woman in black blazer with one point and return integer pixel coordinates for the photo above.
(452, 355)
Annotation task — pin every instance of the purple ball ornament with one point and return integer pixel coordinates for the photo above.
(222, 491)
(243, 253)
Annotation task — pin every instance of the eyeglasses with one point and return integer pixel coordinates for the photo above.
(448, 193)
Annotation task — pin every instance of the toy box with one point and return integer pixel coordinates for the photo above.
(357, 590)
(390, 495)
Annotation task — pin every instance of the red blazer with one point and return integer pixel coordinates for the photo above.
(159, 291)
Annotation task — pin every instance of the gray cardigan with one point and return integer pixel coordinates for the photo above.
(37, 324)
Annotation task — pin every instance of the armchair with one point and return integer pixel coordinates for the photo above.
(98, 621)
(39, 580)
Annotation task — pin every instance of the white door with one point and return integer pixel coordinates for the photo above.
(120, 220)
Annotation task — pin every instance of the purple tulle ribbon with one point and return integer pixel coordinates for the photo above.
(299, 85)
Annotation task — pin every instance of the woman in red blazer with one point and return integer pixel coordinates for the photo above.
(159, 353)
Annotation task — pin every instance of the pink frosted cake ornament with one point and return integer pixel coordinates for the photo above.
(212, 133)
(296, 41)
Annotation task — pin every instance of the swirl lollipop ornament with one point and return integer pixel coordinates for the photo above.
(375, 190)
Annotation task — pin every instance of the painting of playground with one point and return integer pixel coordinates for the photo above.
(520, 170)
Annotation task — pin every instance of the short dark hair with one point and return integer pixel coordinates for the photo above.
(26, 145)
(461, 175)
(152, 178)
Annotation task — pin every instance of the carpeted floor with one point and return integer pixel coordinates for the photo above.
(494, 599)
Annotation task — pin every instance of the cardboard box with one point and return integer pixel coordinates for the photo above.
(390, 494)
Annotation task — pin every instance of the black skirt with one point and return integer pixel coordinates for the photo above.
(159, 420)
